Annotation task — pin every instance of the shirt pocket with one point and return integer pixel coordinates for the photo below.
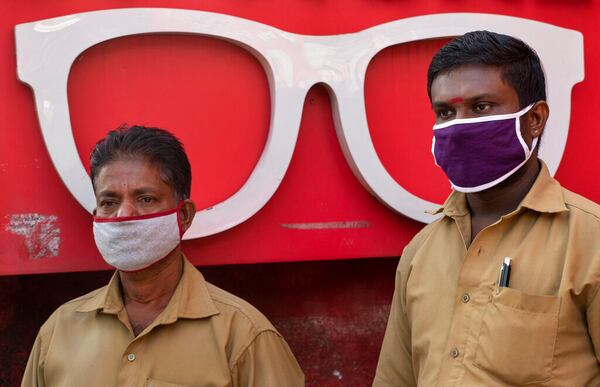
(517, 337)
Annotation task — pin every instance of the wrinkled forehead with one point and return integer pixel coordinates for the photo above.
(127, 165)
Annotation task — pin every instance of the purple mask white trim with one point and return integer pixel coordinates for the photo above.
(479, 153)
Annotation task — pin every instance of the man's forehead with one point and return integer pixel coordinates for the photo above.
(130, 161)
(470, 72)
(471, 67)
(132, 175)
(469, 82)
(129, 169)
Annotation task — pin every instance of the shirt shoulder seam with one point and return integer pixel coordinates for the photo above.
(256, 326)
(416, 242)
(568, 195)
(595, 216)
(244, 349)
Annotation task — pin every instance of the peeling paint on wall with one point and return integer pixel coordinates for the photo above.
(40, 232)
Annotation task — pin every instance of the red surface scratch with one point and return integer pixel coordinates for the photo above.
(328, 225)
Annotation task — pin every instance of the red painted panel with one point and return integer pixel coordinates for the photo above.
(215, 97)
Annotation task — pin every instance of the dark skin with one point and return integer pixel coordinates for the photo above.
(474, 91)
(132, 186)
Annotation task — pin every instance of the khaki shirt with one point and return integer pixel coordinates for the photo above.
(204, 337)
(451, 325)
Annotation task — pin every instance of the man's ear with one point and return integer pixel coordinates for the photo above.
(94, 211)
(536, 119)
(187, 213)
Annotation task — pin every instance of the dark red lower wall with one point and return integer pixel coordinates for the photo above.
(332, 313)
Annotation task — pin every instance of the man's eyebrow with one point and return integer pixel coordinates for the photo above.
(143, 190)
(479, 97)
(137, 191)
(107, 193)
(439, 104)
(471, 99)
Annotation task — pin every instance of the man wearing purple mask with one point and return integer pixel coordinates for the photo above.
(502, 290)
(158, 323)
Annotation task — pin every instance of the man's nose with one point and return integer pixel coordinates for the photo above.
(126, 209)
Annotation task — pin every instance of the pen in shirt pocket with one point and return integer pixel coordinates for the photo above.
(504, 277)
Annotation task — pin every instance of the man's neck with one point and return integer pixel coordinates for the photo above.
(488, 206)
(147, 292)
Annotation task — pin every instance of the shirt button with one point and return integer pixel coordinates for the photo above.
(465, 298)
(454, 352)
(131, 357)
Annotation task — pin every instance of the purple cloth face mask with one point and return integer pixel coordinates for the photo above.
(479, 153)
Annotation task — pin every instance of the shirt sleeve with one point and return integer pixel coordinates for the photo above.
(34, 371)
(267, 362)
(395, 359)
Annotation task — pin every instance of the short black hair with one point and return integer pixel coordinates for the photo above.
(520, 65)
(158, 146)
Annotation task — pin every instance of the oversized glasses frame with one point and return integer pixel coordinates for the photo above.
(293, 63)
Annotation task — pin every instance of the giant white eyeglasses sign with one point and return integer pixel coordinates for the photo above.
(294, 63)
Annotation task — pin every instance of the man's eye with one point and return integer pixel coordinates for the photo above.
(482, 107)
(146, 199)
(444, 113)
(107, 203)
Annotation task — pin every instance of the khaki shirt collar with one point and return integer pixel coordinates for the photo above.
(190, 298)
(545, 195)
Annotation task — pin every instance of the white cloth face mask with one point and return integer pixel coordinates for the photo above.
(136, 242)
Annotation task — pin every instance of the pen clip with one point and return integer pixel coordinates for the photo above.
(499, 279)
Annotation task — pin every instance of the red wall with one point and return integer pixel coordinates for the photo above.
(333, 313)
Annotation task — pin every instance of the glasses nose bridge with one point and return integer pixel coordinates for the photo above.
(334, 60)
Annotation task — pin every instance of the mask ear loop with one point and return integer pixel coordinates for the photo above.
(433, 150)
(178, 212)
(526, 150)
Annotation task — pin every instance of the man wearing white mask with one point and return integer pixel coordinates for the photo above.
(158, 322)
(503, 289)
